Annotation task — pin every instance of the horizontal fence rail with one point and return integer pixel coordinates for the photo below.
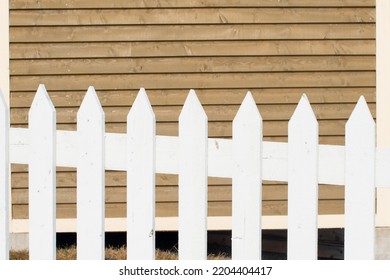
(245, 158)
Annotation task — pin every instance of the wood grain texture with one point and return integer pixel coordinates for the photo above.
(115, 210)
(71, 4)
(270, 112)
(189, 16)
(192, 65)
(117, 194)
(223, 129)
(198, 80)
(192, 48)
(111, 98)
(192, 32)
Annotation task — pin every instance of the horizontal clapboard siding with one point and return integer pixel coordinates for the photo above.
(118, 210)
(222, 32)
(191, 16)
(241, 48)
(119, 4)
(276, 49)
(226, 96)
(192, 65)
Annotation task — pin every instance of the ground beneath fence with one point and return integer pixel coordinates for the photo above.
(274, 245)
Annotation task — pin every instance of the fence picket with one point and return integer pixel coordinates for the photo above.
(90, 179)
(42, 180)
(360, 184)
(302, 183)
(192, 180)
(4, 179)
(141, 149)
(247, 184)
(360, 165)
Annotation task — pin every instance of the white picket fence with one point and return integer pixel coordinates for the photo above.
(245, 158)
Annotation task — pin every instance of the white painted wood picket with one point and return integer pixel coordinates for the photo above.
(90, 178)
(192, 180)
(141, 156)
(4, 180)
(360, 184)
(42, 177)
(247, 187)
(302, 183)
(245, 158)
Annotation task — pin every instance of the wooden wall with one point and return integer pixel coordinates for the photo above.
(277, 49)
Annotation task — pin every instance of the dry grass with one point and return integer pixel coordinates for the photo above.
(111, 254)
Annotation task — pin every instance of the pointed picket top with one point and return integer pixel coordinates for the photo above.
(248, 110)
(360, 114)
(303, 112)
(141, 107)
(4, 179)
(42, 103)
(192, 108)
(360, 184)
(91, 105)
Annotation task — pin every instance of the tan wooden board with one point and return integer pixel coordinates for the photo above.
(214, 112)
(197, 80)
(113, 178)
(170, 194)
(192, 32)
(192, 48)
(118, 210)
(16, 168)
(206, 96)
(224, 129)
(325, 140)
(189, 16)
(119, 128)
(71, 4)
(191, 65)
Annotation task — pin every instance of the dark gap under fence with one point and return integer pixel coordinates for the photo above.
(274, 243)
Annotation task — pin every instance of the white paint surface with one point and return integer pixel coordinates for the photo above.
(4, 179)
(42, 178)
(192, 180)
(247, 187)
(360, 184)
(302, 183)
(141, 148)
(90, 179)
(172, 223)
(331, 158)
